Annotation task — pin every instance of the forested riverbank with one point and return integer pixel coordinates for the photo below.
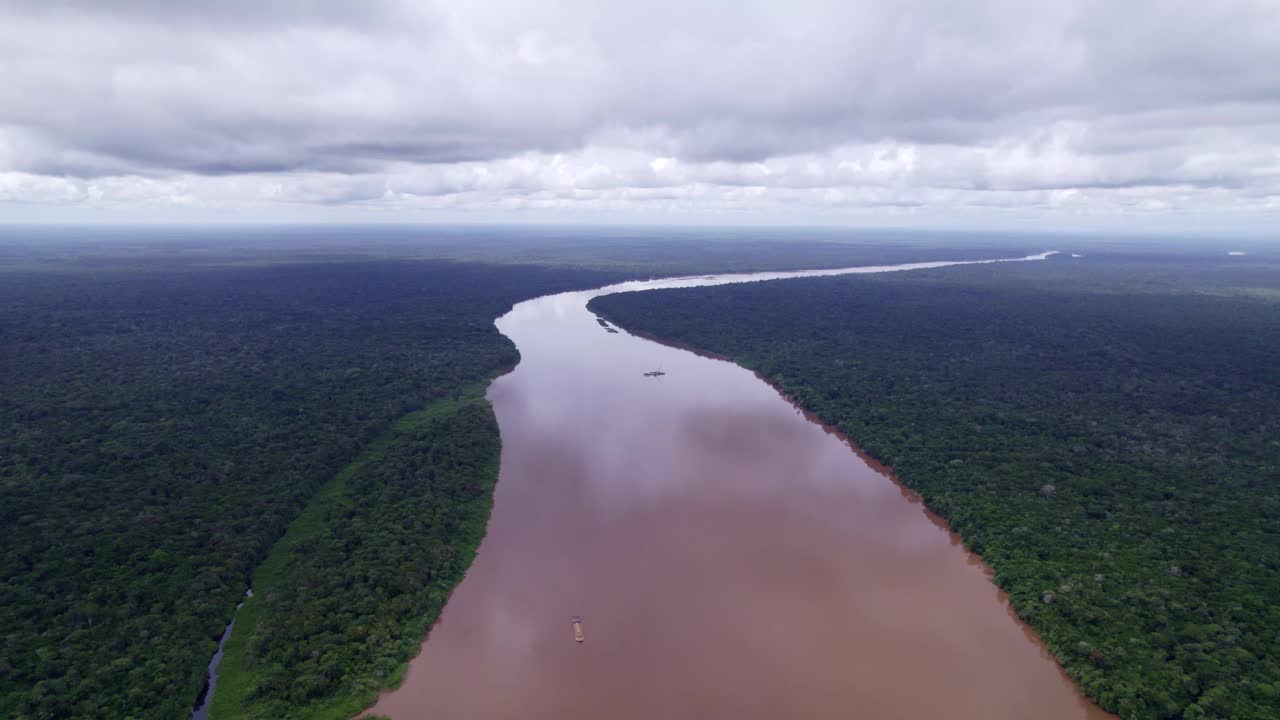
(345, 598)
(162, 425)
(1101, 431)
(174, 397)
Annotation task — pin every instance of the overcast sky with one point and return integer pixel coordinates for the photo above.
(1121, 114)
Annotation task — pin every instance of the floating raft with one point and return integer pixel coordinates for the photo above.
(577, 628)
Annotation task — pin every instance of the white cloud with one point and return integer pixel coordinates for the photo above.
(804, 110)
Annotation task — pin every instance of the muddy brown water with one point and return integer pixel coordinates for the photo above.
(729, 557)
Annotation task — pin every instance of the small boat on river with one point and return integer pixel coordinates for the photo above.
(577, 628)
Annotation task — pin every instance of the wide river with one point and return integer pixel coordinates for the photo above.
(729, 557)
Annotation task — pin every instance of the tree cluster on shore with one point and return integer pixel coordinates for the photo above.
(344, 599)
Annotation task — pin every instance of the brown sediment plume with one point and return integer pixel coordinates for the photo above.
(732, 556)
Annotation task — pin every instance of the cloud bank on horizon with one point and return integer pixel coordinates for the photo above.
(1119, 112)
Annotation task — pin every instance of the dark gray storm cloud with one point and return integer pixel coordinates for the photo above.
(869, 104)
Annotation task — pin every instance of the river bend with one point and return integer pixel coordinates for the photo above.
(729, 557)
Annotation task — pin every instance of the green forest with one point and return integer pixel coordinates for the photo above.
(1102, 430)
(162, 424)
(344, 600)
(182, 418)
(175, 399)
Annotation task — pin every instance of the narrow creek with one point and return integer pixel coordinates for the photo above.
(201, 709)
(728, 556)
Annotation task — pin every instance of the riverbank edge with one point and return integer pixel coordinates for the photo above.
(234, 680)
(934, 516)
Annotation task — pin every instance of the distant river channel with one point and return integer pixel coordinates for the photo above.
(728, 556)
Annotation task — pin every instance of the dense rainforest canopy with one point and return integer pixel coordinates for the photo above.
(344, 600)
(172, 400)
(160, 428)
(174, 397)
(1103, 430)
